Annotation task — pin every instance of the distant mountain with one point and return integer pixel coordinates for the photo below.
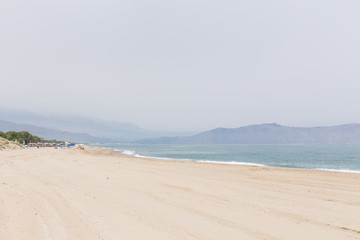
(269, 134)
(116, 131)
(51, 134)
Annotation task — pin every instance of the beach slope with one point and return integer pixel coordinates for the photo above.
(100, 194)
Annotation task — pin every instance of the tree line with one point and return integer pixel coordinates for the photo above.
(20, 137)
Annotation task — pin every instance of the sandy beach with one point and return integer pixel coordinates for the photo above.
(100, 194)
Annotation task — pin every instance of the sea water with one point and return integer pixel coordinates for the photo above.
(344, 158)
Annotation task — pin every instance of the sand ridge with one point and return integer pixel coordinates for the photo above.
(100, 194)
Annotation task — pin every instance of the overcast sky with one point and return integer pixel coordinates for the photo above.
(186, 65)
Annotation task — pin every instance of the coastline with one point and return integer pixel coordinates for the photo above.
(100, 193)
(131, 153)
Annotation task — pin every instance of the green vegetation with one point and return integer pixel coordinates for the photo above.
(20, 137)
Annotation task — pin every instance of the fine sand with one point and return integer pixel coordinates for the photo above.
(100, 194)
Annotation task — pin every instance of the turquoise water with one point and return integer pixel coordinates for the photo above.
(327, 157)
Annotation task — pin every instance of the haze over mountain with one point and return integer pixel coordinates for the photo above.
(183, 65)
(92, 130)
(51, 134)
(82, 129)
(270, 134)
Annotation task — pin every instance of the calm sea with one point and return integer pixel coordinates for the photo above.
(344, 158)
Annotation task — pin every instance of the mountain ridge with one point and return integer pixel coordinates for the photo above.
(114, 130)
(51, 134)
(270, 134)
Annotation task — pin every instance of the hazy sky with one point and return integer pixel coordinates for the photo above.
(185, 65)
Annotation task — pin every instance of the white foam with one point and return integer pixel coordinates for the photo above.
(134, 154)
(128, 152)
(233, 163)
(339, 170)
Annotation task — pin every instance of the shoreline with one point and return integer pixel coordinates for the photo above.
(134, 154)
(100, 193)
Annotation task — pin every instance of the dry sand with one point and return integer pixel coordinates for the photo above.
(99, 194)
(6, 144)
